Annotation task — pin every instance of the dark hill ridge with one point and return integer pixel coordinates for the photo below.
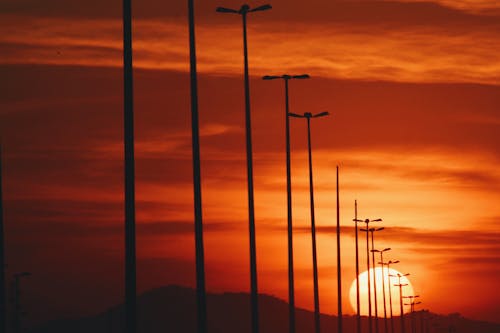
(172, 309)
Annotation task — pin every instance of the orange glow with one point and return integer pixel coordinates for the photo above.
(381, 278)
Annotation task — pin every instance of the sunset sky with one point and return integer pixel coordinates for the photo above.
(413, 89)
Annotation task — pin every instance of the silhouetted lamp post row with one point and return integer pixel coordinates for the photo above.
(367, 222)
(243, 11)
(198, 217)
(388, 264)
(291, 288)
(383, 282)
(3, 294)
(401, 285)
(412, 310)
(128, 117)
(308, 116)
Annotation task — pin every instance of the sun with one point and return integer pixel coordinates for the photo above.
(382, 280)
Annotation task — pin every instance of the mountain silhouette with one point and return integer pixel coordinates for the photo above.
(173, 309)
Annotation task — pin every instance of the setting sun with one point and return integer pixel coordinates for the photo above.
(394, 291)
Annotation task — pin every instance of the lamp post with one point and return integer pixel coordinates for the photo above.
(388, 264)
(358, 313)
(198, 217)
(243, 11)
(128, 121)
(339, 271)
(367, 222)
(372, 231)
(291, 289)
(401, 285)
(412, 310)
(308, 116)
(383, 283)
(17, 300)
(3, 294)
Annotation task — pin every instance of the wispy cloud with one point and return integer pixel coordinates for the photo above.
(411, 53)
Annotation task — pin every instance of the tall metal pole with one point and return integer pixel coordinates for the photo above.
(130, 254)
(291, 285)
(372, 230)
(243, 11)
(367, 230)
(198, 216)
(358, 311)
(3, 294)
(401, 312)
(369, 282)
(308, 116)
(313, 232)
(291, 288)
(251, 211)
(389, 275)
(383, 290)
(339, 275)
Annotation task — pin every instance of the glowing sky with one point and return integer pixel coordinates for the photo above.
(413, 92)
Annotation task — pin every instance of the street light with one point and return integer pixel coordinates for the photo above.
(400, 285)
(367, 222)
(358, 313)
(129, 186)
(3, 294)
(383, 282)
(372, 230)
(308, 116)
(243, 11)
(198, 217)
(291, 291)
(388, 264)
(412, 310)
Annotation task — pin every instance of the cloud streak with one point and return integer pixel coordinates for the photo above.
(418, 53)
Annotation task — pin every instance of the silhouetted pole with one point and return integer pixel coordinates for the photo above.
(291, 288)
(367, 222)
(17, 300)
(401, 313)
(390, 293)
(3, 293)
(372, 230)
(383, 283)
(412, 311)
(128, 103)
(358, 313)
(308, 116)
(339, 275)
(198, 216)
(243, 11)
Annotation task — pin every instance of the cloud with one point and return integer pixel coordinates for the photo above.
(415, 42)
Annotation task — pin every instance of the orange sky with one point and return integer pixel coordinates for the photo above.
(413, 89)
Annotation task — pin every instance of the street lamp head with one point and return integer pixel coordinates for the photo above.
(374, 250)
(258, 9)
(244, 9)
(393, 262)
(301, 76)
(379, 229)
(271, 77)
(322, 114)
(386, 249)
(376, 220)
(226, 10)
(295, 115)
